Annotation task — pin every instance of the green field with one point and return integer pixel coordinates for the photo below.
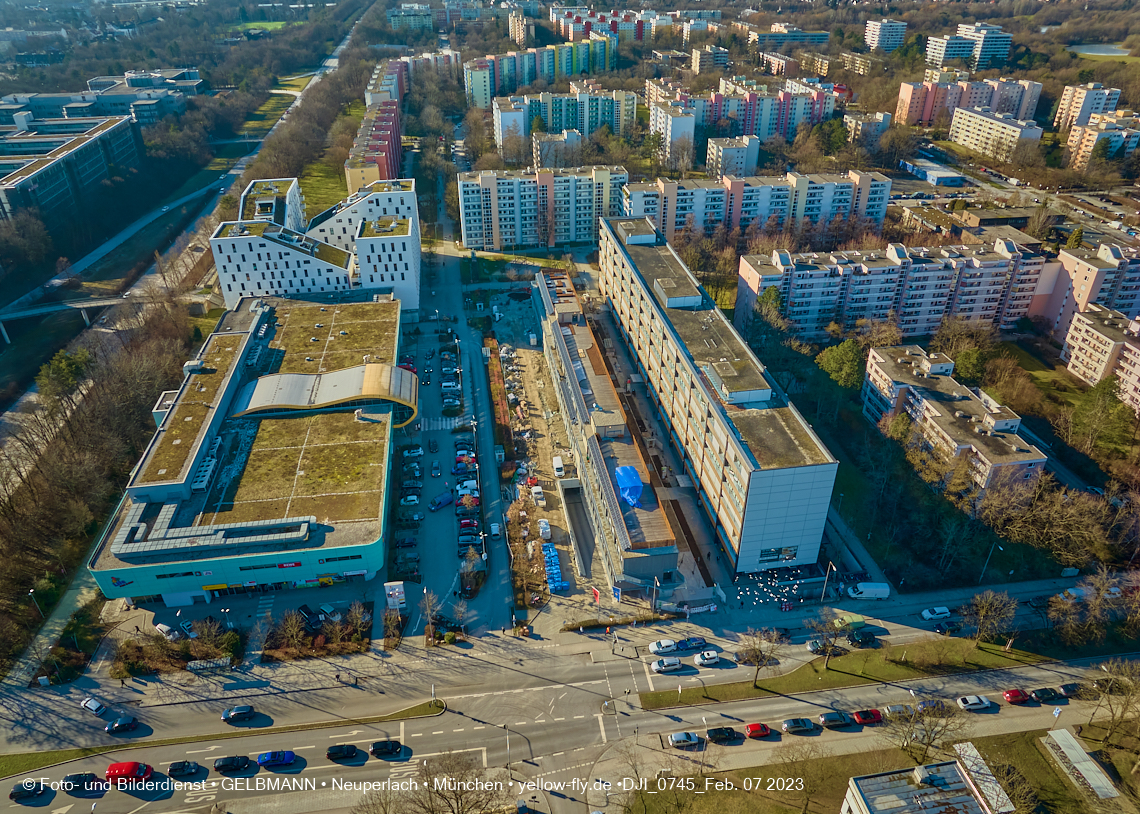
(225, 156)
(886, 665)
(274, 26)
(297, 83)
(261, 121)
(324, 187)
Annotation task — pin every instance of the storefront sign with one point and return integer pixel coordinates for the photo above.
(221, 587)
(355, 573)
(288, 565)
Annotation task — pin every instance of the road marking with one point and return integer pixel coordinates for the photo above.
(457, 730)
(558, 754)
(440, 732)
(353, 732)
(576, 717)
(200, 751)
(478, 727)
(299, 748)
(602, 726)
(648, 675)
(522, 723)
(417, 734)
(560, 719)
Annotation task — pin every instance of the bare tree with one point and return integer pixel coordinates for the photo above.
(990, 614)
(463, 787)
(917, 730)
(430, 606)
(824, 630)
(1017, 787)
(459, 613)
(805, 760)
(1120, 696)
(354, 618)
(383, 800)
(761, 648)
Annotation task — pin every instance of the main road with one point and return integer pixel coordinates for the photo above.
(554, 731)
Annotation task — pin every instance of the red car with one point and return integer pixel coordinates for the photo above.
(868, 716)
(1016, 696)
(468, 524)
(757, 731)
(409, 368)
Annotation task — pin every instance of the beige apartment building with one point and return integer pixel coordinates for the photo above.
(994, 134)
(763, 477)
(1102, 342)
(1120, 129)
(1079, 102)
(954, 420)
(918, 287)
(1107, 275)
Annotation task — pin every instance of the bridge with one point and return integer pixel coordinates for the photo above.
(54, 307)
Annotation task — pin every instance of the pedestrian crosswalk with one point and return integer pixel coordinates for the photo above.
(264, 606)
(442, 423)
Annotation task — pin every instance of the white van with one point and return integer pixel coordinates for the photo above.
(559, 469)
(537, 496)
(870, 590)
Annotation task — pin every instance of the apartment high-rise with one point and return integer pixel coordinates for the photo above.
(1102, 342)
(274, 200)
(992, 134)
(866, 129)
(377, 151)
(732, 156)
(1079, 102)
(737, 202)
(586, 108)
(922, 102)
(886, 35)
(709, 59)
(388, 257)
(764, 478)
(677, 128)
(1107, 275)
(981, 44)
(995, 284)
(557, 149)
(1120, 129)
(512, 209)
(954, 421)
(379, 200)
(503, 74)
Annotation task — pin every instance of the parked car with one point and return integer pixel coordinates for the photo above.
(435, 470)
(329, 611)
(691, 643)
(410, 500)
(238, 713)
(757, 731)
(188, 628)
(897, 711)
(27, 790)
(683, 740)
(406, 542)
(794, 726)
(1044, 695)
(867, 717)
(708, 658)
(183, 768)
(125, 724)
(93, 706)
(469, 523)
(412, 484)
(663, 646)
(341, 751)
(276, 759)
(721, 734)
(1071, 690)
(234, 763)
(668, 664)
(934, 614)
(862, 638)
(835, 720)
(947, 628)
(82, 783)
(413, 452)
(973, 702)
(935, 706)
(1016, 696)
(169, 633)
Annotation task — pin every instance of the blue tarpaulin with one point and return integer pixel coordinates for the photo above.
(629, 484)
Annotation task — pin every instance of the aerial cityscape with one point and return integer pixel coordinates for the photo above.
(469, 406)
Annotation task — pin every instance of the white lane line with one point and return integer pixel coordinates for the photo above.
(299, 748)
(558, 754)
(576, 717)
(478, 727)
(417, 734)
(440, 732)
(401, 731)
(522, 723)
(560, 719)
(648, 675)
(602, 726)
(457, 730)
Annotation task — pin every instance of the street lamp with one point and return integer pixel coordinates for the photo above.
(827, 576)
(229, 624)
(839, 506)
(987, 563)
(32, 594)
(507, 732)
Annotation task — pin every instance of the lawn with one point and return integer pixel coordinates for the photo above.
(260, 121)
(324, 187)
(225, 156)
(265, 26)
(886, 665)
(1055, 794)
(1108, 58)
(297, 83)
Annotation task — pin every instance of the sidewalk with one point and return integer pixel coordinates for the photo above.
(83, 589)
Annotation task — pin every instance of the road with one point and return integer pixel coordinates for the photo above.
(553, 730)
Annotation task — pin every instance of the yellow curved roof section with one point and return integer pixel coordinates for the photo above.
(303, 392)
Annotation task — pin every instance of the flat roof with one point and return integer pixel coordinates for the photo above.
(280, 482)
(959, 411)
(938, 788)
(773, 430)
(385, 227)
(286, 238)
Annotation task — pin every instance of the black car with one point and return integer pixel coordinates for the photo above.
(27, 790)
(691, 643)
(235, 763)
(341, 751)
(1045, 695)
(1071, 690)
(406, 542)
(386, 748)
(721, 734)
(124, 724)
(240, 713)
(835, 720)
(433, 446)
(947, 628)
(861, 638)
(82, 783)
(183, 768)
(425, 381)
(782, 635)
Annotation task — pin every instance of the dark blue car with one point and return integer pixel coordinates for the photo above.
(276, 759)
(691, 643)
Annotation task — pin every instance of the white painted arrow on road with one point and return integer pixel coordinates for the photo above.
(345, 734)
(200, 751)
(63, 810)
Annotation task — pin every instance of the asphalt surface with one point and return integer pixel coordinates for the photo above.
(551, 728)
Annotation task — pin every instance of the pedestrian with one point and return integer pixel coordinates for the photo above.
(137, 629)
(122, 682)
(354, 681)
(338, 678)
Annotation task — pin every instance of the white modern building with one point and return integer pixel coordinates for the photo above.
(762, 475)
(954, 421)
(274, 200)
(339, 224)
(993, 134)
(261, 258)
(1079, 102)
(732, 156)
(516, 209)
(886, 35)
(388, 258)
(981, 44)
(917, 287)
